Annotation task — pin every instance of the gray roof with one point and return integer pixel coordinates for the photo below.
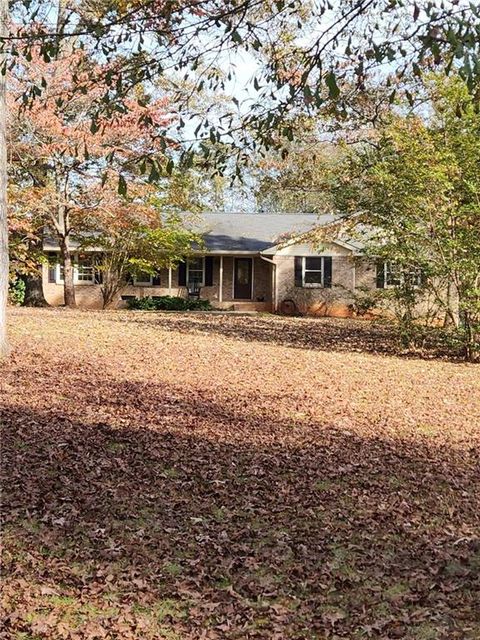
(245, 232)
(254, 231)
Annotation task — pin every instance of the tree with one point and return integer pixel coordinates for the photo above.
(307, 55)
(417, 191)
(4, 268)
(297, 181)
(67, 181)
(138, 240)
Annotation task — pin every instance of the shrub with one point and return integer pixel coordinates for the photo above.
(16, 291)
(365, 300)
(168, 303)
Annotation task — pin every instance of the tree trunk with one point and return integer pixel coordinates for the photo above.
(3, 189)
(34, 291)
(33, 281)
(68, 286)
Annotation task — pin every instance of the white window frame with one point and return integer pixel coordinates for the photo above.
(387, 268)
(76, 274)
(387, 265)
(58, 278)
(313, 285)
(76, 281)
(143, 283)
(187, 274)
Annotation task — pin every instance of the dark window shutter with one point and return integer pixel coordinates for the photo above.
(380, 275)
(156, 279)
(98, 275)
(298, 271)
(208, 271)
(182, 274)
(327, 271)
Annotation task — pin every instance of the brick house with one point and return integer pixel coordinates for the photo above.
(246, 265)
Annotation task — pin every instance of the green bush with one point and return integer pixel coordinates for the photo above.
(16, 291)
(168, 303)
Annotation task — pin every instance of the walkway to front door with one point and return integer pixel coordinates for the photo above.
(242, 278)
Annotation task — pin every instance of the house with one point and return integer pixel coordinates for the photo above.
(247, 264)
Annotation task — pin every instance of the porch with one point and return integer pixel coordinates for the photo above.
(238, 282)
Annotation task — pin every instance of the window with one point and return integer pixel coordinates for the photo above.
(196, 272)
(142, 279)
(83, 270)
(59, 273)
(313, 272)
(390, 274)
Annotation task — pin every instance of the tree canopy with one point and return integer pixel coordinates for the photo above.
(304, 54)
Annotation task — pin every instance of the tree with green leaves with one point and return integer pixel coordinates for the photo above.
(137, 247)
(306, 55)
(417, 194)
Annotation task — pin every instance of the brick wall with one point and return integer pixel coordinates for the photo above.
(334, 301)
(89, 295)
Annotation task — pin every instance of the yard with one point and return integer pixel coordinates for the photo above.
(185, 476)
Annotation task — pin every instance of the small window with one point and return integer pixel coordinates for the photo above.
(196, 272)
(59, 273)
(312, 275)
(394, 275)
(84, 270)
(142, 279)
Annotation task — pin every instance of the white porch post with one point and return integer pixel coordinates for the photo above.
(274, 287)
(169, 281)
(220, 281)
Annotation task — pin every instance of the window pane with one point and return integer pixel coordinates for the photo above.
(195, 271)
(196, 264)
(313, 277)
(85, 269)
(315, 264)
(243, 272)
(195, 276)
(142, 278)
(392, 275)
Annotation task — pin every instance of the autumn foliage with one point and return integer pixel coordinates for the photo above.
(72, 175)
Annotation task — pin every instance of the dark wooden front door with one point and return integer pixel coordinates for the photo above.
(242, 279)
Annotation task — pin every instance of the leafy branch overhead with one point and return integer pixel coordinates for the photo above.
(304, 55)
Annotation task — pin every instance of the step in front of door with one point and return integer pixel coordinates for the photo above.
(252, 306)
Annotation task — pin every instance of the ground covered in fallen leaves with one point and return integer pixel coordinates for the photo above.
(199, 476)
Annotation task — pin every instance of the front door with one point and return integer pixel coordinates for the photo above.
(242, 279)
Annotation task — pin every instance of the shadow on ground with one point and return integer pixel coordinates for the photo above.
(320, 334)
(175, 519)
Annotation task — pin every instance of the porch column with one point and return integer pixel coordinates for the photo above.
(220, 281)
(169, 281)
(274, 287)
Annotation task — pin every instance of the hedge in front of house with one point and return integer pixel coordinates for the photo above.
(168, 303)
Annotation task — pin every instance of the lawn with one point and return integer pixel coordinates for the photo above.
(198, 476)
